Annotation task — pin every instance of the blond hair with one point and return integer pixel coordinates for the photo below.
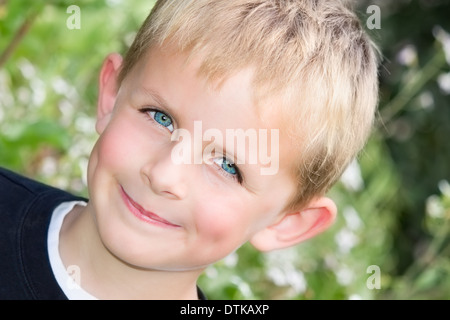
(313, 53)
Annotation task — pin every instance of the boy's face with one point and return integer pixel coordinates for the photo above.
(154, 212)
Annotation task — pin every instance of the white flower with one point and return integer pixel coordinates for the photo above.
(442, 36)
(444, 82)
(231, 260)
(344, 276)
(444, 187)
(407, 56)
(346, 240)
(434, 207)
(352, 218)
(351, 178)
(426, 100)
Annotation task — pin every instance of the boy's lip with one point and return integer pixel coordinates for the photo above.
(143, 214)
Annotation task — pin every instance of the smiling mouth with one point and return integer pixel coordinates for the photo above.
(143, 214)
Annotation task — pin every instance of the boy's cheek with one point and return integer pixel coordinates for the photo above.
(115, 146)
(222, 222)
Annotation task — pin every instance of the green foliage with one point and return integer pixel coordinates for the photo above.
(394, 201)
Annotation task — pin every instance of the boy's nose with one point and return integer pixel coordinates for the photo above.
(165, 177)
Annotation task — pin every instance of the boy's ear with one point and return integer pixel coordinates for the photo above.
(107, 90)
(297, 226)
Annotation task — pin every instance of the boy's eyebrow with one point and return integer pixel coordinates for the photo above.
(146, 92)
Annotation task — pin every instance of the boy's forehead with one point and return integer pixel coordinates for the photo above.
(189, 62)
(162, 69)
(266, 103)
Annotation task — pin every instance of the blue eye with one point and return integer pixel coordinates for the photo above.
(228, 169)
(163, 119)
(226, 165)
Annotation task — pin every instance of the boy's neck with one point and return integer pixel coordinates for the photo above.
(105, 276)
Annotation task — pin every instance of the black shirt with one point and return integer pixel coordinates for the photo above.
(26, 207)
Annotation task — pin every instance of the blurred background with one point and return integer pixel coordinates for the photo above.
(391, 239)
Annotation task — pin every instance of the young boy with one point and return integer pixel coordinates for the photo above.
(297, 77)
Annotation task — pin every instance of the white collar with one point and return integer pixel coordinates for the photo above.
(68, 279)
